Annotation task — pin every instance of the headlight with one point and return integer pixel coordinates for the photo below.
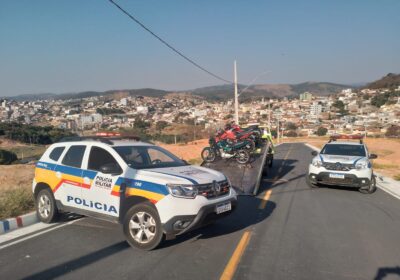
(317, 162)
(361, 165)
(229, 181)
(183, 191)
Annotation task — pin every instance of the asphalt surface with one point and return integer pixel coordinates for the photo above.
(302, 233)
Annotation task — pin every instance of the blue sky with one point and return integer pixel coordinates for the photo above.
(71, 46)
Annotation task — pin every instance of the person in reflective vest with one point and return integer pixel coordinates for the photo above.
(268, 137)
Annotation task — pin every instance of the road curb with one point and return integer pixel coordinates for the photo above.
(11, 224)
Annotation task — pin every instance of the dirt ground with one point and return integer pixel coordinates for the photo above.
(189, 151)
(388, 151)
(16, 176)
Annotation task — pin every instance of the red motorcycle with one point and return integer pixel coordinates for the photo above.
(233, 137)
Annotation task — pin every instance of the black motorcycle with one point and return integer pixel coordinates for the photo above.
(228, 150)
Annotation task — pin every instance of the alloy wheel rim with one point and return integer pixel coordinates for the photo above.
(142, 227)
(44, 206)
(242, 156)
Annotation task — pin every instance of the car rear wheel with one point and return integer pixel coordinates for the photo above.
(46, 207)
(369, 189)
(142, 227)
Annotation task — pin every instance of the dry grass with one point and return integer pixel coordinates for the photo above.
(15, 202)
(189, 152)
(16, 189)
(388, 151)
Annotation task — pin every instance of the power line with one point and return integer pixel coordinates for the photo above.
(168, 45)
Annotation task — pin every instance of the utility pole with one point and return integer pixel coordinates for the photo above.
(236, 94)
(269, 115)
(277, 130)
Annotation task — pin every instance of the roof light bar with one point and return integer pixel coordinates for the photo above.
(347, 136)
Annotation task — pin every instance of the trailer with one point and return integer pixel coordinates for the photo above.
(245, 178)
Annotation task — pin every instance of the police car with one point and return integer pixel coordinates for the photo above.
(343, 163)
(150, 191)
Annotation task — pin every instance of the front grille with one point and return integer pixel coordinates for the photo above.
(345, 181)
(338, 166)
(211, 190)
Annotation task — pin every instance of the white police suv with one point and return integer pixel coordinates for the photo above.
(150, 191)
(342, 163)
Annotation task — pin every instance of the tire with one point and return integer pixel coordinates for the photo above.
(311, 185)
(371, 188)
(252, 145)
(142, 227)
(208, 154)
(270, 160)
(46, 208)
(242, 156)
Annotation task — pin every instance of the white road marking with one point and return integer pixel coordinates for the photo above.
(30, 229)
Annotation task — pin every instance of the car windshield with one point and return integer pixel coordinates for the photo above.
(142, 157)
(344, 150)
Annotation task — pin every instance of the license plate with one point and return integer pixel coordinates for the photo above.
(336, 176)
(223, 208)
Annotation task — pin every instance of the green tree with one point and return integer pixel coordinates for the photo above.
(338, 104)
(229, 116)
(291, 133)
(393, 131)
(7, 157)
(160, 125)
(291, 126)
(141, 124)
(321, 131)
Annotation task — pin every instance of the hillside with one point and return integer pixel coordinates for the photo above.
(111, 93)
(389, 81)
(220, 92)
(270, 90)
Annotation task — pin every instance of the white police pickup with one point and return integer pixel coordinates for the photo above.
(345, 164)
(146, 188)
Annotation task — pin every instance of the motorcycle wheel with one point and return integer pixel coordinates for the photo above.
(252, 145)
(242, 156)
(208, 154)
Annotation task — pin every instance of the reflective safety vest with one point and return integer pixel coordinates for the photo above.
(267, 135)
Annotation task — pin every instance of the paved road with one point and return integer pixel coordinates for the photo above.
(301, 233)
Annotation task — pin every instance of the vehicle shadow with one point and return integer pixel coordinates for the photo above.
(246, 214)
(277, 175)
(67, 267)
(387, 272)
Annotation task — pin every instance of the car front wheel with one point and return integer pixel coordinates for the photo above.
(142, 227)
(371, 188)
(310, 184)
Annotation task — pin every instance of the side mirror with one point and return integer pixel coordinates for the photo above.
(314, 153)
(111, 168)
(373, 156)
